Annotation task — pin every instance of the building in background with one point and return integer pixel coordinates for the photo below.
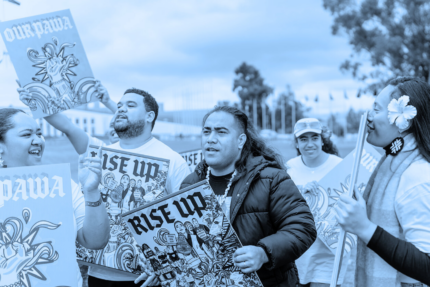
(94, 120)
(186, 117)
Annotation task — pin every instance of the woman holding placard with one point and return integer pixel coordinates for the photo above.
(392, 218)
(22, 144)
(317, 155)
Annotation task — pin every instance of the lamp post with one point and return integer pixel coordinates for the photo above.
(254, 112)
(293, 113)
(263, 115)
(274, 115)
(283, 115)
(247, 104)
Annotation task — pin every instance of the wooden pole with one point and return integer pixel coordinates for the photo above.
(274, 115)
(283, 115)
(353, 179)
(293, 115)
(263, 114)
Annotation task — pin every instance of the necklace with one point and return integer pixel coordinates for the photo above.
(221, 200)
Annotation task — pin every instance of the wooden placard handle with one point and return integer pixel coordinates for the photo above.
(353, 179)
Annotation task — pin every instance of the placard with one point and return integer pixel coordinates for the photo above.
(37, 228)
(188, 240)
(335, 183)
(50, 61)
(192, 158)
(129, 181)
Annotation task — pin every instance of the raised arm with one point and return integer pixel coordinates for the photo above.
(76, 136)
(104, 97)
(94, 233)
(61, 122)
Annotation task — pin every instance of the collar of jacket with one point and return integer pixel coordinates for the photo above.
(242, 182)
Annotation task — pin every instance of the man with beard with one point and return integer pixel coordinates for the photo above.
(265, 208)
(134, 121)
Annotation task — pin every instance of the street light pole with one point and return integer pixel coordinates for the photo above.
(263, 114)
(247, 108)
(293, 114)
(274, 115)
(283, 115)
(254, 112)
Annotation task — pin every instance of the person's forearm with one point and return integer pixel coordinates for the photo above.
(111, 105)
(95, 232)
(401, 255)
(61, 122)
(367, 232)
(76, 136)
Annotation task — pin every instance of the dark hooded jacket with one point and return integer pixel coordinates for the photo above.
(267, 210)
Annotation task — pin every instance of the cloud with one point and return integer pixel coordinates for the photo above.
(178, 48)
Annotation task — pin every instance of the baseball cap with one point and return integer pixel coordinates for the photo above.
(307, 125)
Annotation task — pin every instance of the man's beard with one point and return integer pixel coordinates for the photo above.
(129, 130)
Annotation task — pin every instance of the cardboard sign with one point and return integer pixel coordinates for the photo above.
(192, 158)
(128, 181)
(50, 61)
(335, 183)
(37, 228)
(202, 255)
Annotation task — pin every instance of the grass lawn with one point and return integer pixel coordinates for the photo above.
(60, 150)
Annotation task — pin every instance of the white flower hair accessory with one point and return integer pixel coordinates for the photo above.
(401, 113)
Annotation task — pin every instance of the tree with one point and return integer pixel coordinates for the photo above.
(251, 87)
(394, 33)
(286, 98)
(228, 103)
(353, 119)
(335, 126)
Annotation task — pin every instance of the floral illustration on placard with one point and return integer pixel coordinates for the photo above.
(52, 89)
(322, 205)
(19, 256)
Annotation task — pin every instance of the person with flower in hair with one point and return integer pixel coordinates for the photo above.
(392, 217)
(265, 208)
(317, 155)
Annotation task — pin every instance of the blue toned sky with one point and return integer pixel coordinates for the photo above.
(185, 52)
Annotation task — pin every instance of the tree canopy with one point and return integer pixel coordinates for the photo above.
(287, 98)
(250, 84)
(395, 34)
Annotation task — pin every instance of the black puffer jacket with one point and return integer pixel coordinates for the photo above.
(268, 210)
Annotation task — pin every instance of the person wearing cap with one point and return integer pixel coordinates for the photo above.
(317, 155)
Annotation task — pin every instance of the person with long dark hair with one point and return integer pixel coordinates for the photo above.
(22, 144)
(267, 211)
(327, 145)
(317, 155)
(392, 217)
